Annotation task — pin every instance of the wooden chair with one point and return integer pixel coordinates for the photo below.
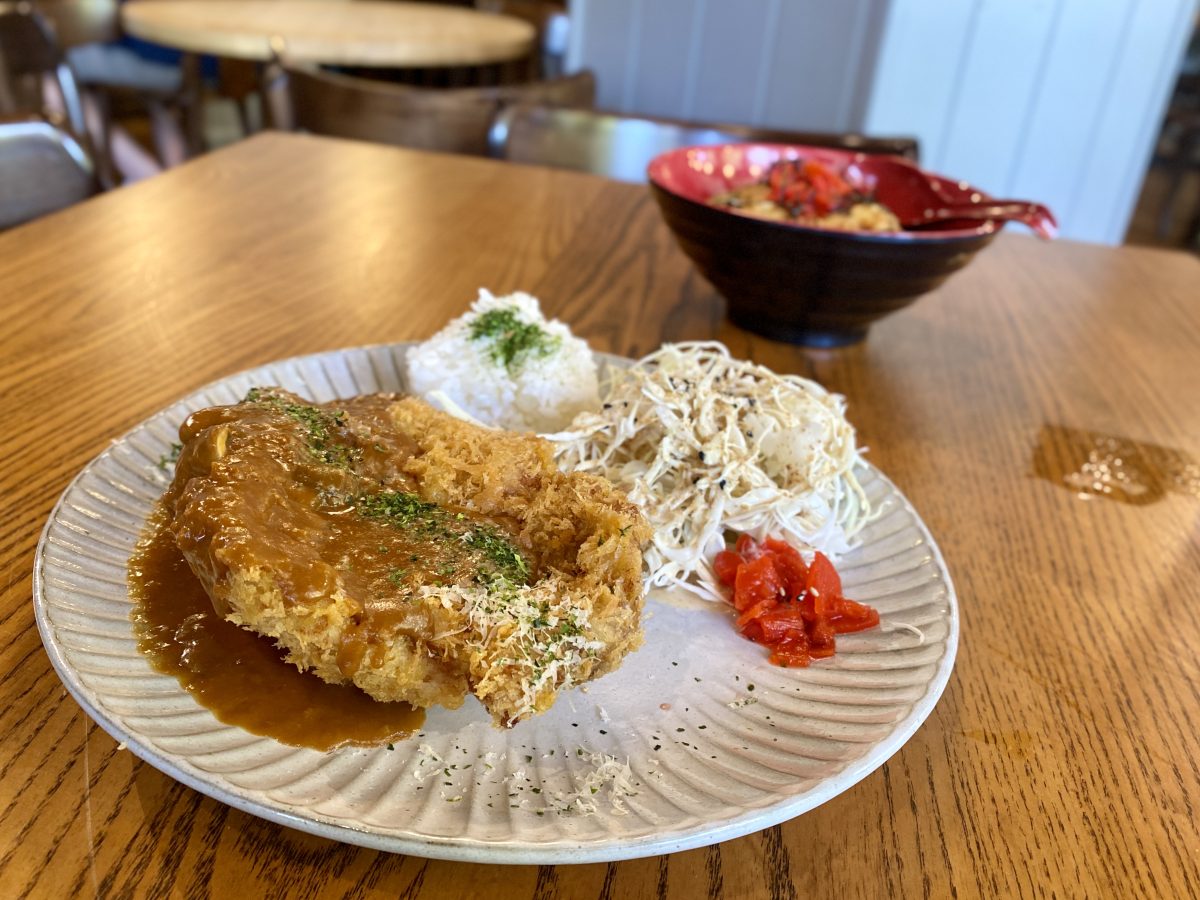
(622, 146)
(77, 22)
(119, 82)
(42, 169)
(29, 56)
(453, 120)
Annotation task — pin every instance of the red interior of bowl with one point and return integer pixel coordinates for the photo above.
(698, 173)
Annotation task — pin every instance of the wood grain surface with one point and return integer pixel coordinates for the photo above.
(1063, 759)
(361, 33)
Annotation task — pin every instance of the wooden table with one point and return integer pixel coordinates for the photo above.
(1063, 758)
(332, 32)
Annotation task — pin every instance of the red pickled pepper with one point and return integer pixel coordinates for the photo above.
(807, 187)
(795, 610)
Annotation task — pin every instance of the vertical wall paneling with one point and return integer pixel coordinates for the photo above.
(785, 63)
(875, 16)
(1055, 100)
(1145, 75)
(666, 40)
(602, 30)
(633, 48)
(815, 66)
(577, 13)
(920, 53)
(699, 23)
(1064, 116)
(766, 58)
(730, 44)
(855, 62)
(996, 85)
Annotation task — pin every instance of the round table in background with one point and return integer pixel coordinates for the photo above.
(332, 32)
(366, 33)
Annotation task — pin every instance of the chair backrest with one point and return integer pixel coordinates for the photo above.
(27, 43)
(78, 22)
(28, 54)
(42, 169)
(454, 120)
(622, 146)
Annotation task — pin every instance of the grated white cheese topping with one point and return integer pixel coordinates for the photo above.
(608, 779)
(703, 442)
(744, 701)
(605, 780)
(536, 635)
(428, 763)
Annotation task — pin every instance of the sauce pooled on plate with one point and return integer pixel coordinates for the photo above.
(240, 676)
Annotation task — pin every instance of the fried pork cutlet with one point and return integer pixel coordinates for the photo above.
(381, 542)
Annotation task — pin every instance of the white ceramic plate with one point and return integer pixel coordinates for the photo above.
(719, 742)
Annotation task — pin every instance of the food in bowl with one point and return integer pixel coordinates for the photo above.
(809, 192)
(816, 286)
(383, 543)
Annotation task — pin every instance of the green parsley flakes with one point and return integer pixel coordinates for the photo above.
(510, 341)
(501, 561)
(321, 426)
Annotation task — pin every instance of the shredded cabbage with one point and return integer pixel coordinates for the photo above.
(704, 443)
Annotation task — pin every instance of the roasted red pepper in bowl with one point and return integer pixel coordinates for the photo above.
(806, 187)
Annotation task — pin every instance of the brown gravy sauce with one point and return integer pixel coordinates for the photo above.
(239, 676)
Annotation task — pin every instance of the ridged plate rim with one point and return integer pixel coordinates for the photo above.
(751, 818)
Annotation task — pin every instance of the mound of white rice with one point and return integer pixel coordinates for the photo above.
(504, 364)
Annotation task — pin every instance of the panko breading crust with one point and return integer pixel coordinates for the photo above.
(252, 511)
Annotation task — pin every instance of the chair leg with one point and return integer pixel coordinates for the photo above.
(122, 154)
(94, 130)
(192, 104)
(102, 140)
(243, 114)
(275, 99)
(238, 80)
(170, 143)
(8, 95)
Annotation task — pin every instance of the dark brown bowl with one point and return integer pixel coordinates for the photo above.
(794, 283)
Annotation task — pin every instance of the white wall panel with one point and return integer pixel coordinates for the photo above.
(1051, 100)
(799, 64)
(1142, 79)
(923, 47)
(600, 40)
(1064, 113)
(732, 39)
(993, 89)
(816, 58)
(660, 79)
